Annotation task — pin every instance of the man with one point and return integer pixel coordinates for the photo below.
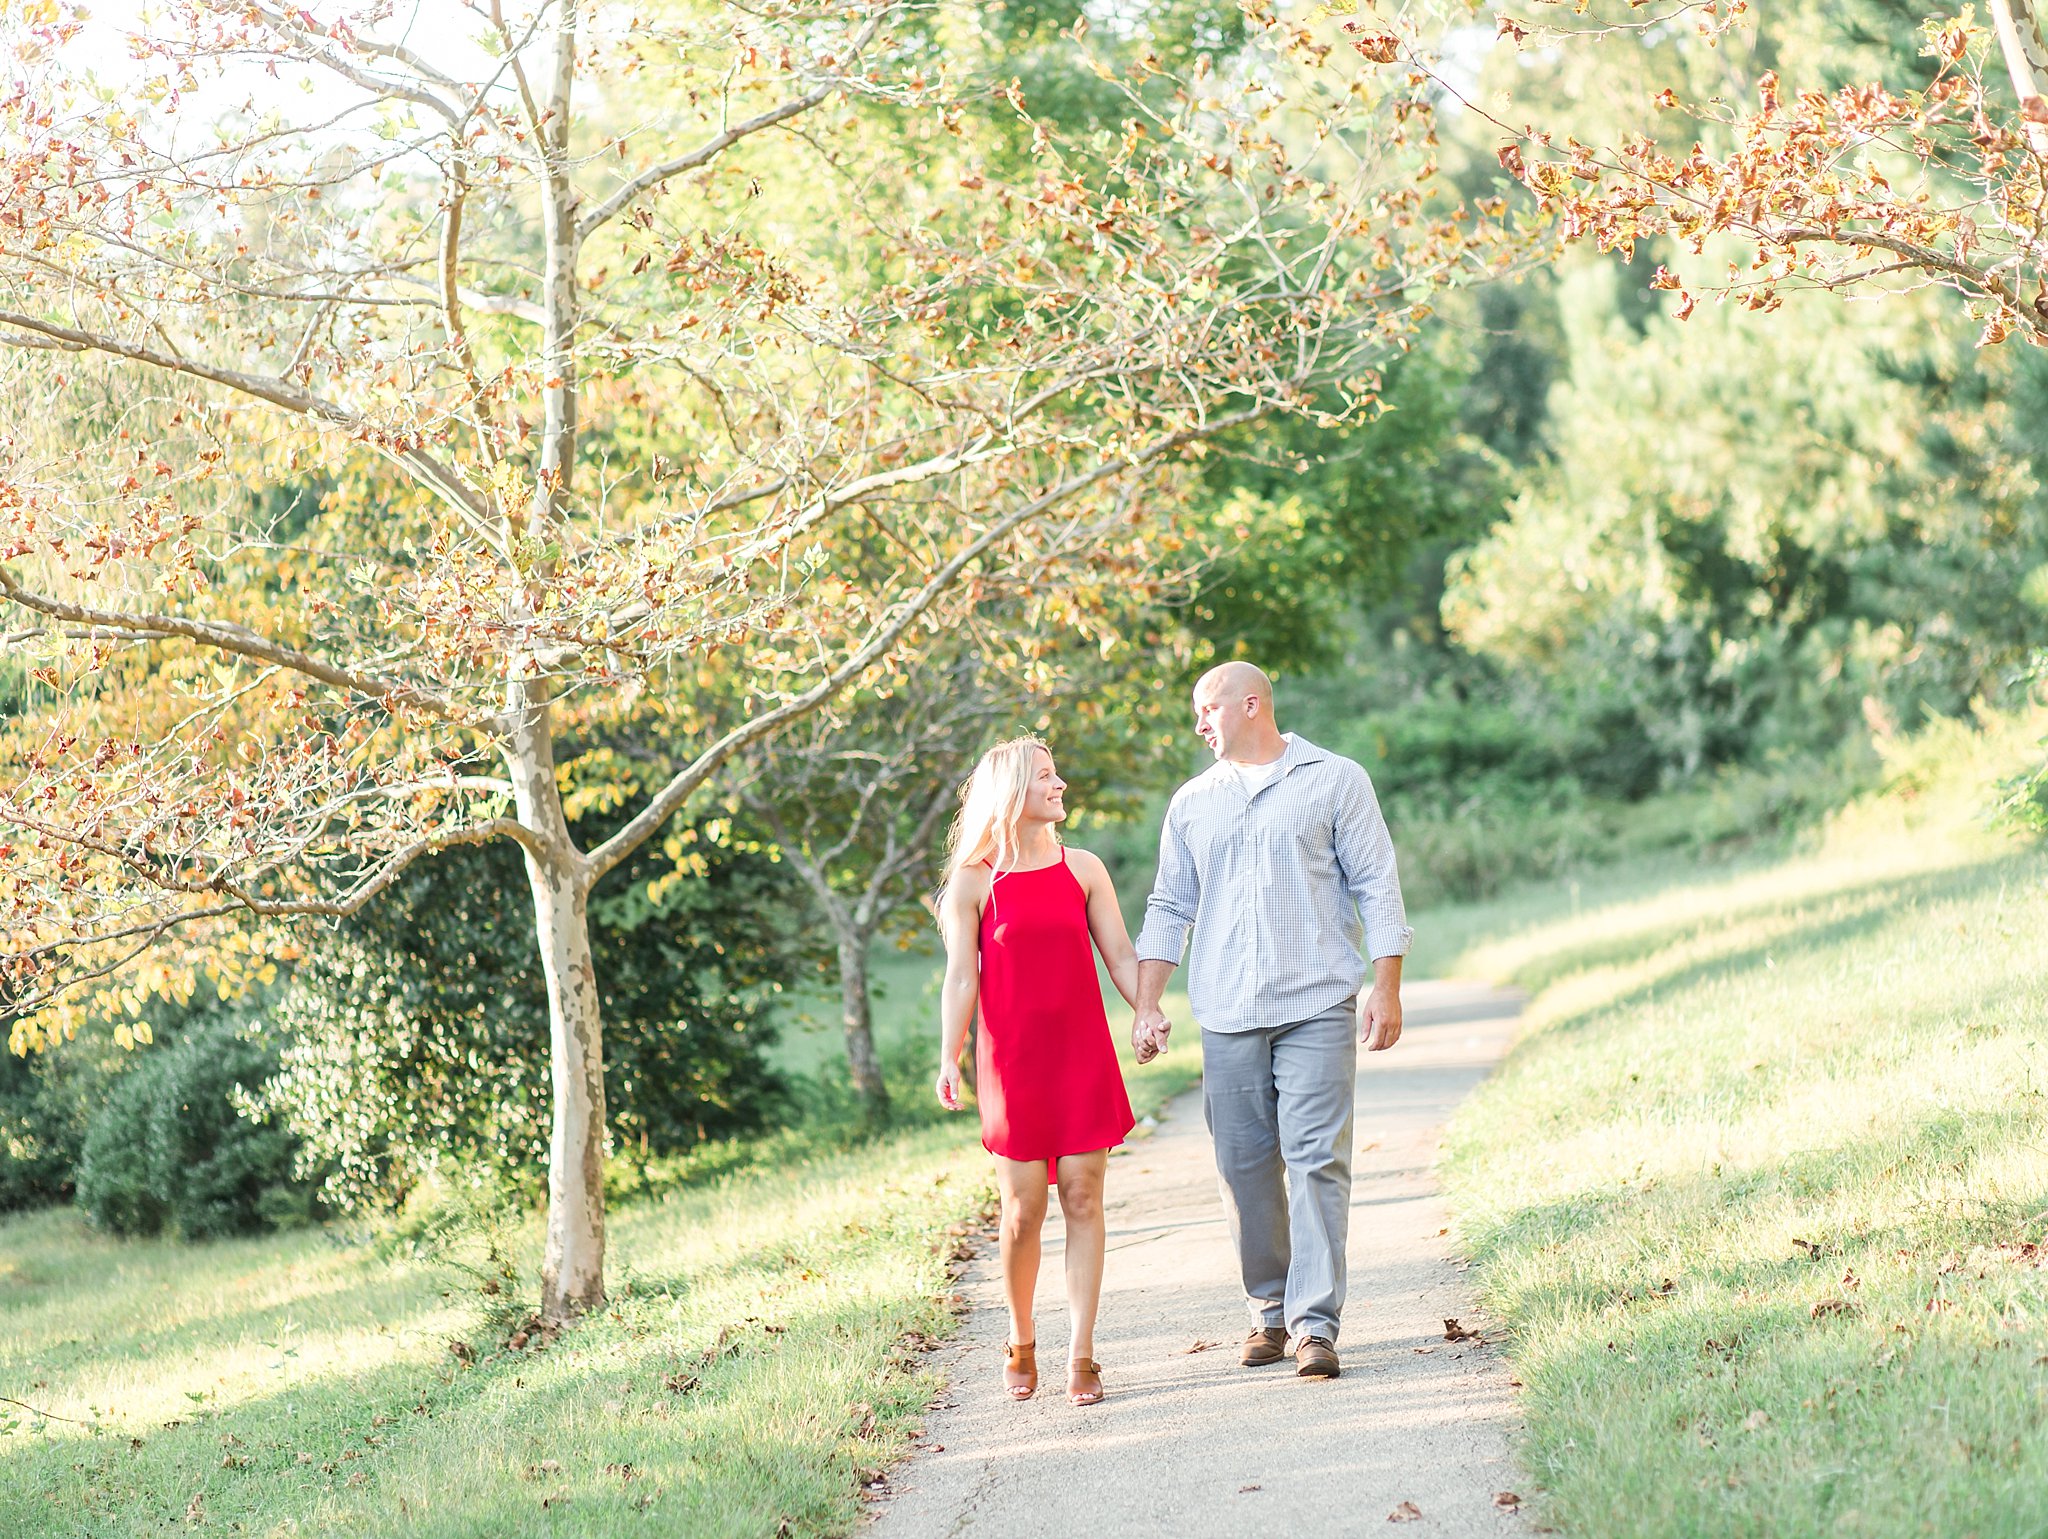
(1278, 859)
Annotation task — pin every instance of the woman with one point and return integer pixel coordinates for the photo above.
(1018, 912)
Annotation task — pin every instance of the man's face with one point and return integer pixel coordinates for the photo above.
(1221, 719)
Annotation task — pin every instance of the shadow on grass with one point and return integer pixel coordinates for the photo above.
(1906, 1158)
(767, 1401)
(1741, 1392)
(1822, 918)
(1850, 908)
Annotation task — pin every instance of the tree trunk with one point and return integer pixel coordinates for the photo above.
(572, 1262)
(856, 1015)
(2026, 61)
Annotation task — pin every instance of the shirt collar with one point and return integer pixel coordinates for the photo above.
(1299, 751)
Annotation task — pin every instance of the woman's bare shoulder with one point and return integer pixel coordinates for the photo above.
(1087, 865)
(967, 888)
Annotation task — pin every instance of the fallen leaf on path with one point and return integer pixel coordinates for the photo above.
(1242, 1489)
(1506, 1500)
(1200, 1346)
(1420, 1350)
(1453, 1331)
(1407, 1512)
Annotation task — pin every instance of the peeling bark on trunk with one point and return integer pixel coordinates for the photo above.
(857, 1018)
(2026, 62)
(572, 1262)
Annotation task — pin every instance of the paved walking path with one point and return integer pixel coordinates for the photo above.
(1190, 1444)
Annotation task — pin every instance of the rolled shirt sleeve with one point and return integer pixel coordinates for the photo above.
(1176, 894)
(1365, 853)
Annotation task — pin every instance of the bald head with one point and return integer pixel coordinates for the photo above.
(1234, 713)
(1238, 680)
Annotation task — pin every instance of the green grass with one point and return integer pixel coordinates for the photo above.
(759, 1361)
(1762, 1192)
(903, 990)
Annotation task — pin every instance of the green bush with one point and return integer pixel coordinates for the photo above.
(417, 1033)
(172, 1151)
(46, 1104)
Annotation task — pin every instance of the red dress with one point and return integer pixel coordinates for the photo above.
(1046, 1075)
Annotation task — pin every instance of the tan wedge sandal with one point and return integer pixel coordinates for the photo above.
(1084, 1382)
(1020, 1369)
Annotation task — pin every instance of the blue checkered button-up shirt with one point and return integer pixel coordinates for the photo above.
(1282, 889)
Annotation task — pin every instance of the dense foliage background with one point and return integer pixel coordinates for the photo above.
(1596, 580)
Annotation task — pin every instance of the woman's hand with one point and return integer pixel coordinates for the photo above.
(948, 1086)
(1149, 1031)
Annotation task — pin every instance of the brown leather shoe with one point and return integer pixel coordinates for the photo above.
(1084, 1382)
(1266, 1344)
(1315, 1358)
(1020, 1370)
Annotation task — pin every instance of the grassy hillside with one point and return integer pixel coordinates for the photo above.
(758, 1364)
(1762, 1193)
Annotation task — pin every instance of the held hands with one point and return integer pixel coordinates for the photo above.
(1149, 1031)
(948, 1086)
(1379, 1019)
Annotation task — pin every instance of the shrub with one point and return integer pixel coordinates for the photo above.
(418, 1031)
(46, 1104)
(172, 1150)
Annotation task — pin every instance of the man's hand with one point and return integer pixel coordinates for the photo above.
(1149, 1031)
(1379, 1018)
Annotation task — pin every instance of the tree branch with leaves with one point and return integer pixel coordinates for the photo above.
(584, 345)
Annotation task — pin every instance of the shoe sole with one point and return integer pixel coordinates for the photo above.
(1318, 1371)
(1262, 1362)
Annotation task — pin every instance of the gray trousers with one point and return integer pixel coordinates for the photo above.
(1278, 1103)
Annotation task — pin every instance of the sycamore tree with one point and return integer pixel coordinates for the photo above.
(586, 339)
(860, 812)
(860, 797)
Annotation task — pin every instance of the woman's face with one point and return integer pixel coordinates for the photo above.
(1045, 798)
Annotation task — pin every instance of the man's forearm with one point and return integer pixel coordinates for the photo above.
(1386, 973)
(1152, 976)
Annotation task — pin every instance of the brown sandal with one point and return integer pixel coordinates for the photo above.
(1020, 1369)
(1084, 1382)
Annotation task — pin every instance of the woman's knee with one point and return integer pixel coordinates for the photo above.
(1022, 1218)
(1081, 1200)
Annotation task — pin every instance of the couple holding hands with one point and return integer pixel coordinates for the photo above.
(1279, 860)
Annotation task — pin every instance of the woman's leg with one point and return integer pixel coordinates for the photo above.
(1081, 1204)
(1022, 1183)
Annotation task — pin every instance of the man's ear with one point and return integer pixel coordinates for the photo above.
(1251, 706)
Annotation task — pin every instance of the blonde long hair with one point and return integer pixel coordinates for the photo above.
(991, 805)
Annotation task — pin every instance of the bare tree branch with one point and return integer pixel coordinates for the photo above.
(245, 643)
(727, 137)
(677, 791)
(443, 481)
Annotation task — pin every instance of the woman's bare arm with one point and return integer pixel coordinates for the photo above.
(1106, 924)
(960, 924)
